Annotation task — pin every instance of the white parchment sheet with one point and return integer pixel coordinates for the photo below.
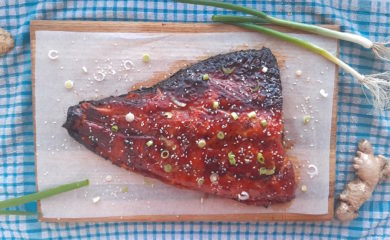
(61, 160)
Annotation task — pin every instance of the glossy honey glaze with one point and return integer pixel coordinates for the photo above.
(219, 133)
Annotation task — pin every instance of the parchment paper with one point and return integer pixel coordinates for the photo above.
(60, 159)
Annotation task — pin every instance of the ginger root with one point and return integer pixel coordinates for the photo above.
(6, 41)
(370, 170)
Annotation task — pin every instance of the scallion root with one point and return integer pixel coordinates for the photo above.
(381, 50)
(379, 87)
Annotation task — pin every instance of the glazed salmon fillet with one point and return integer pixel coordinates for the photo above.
(214, 127)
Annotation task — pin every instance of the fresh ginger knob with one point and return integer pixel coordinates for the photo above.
(370, 170)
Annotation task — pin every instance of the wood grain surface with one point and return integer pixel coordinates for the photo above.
(142, 27)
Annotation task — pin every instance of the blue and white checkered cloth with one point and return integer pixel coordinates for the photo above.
(356, 117)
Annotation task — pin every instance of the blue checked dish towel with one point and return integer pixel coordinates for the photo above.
(356, 118)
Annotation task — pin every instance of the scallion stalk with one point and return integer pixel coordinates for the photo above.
(16, 212)
(239, 19)
(42, 194)
(379, 49)
(377, 84)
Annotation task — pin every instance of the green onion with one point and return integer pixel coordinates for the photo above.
(68, 84)
(149, 143)
(205, 77)
(306, 119)
(19, 213)
(164, 154)
(146, 57)
(168, 168)
(234, 115)
(265, 171)
(201, 143)
(125, 189)
(114, 128)
(260, 158)
(168, 114)
(377, 84)
(227, 71)
(220, 135)
(178, 103)
(379, 49)
(200, 181)
(263, 122)
(42, 194)
(215, 105)
(255, 89)
(252, 114)
(232, 158)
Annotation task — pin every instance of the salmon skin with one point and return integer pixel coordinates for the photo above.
(214, 127)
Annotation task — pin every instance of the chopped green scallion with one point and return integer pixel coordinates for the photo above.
(149, 143)
(232, 158)
(220, 135)
(168, 114)
(215, 105)
(146, 58)
(200, 181)
(260, 158)
(167, 168)
(255, 89)
(252, 114)
(234, 115)
(227, 71)
(265, 171)
(263, 122)
(201, 143)
(164, 154)
(306, 119)
(114, 128)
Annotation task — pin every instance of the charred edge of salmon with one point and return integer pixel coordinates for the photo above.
(188, 83)
(183, 82)
(73, 119)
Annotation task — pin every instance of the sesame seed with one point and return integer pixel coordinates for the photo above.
(130, 117)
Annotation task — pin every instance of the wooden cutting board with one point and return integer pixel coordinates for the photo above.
(107, 47)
